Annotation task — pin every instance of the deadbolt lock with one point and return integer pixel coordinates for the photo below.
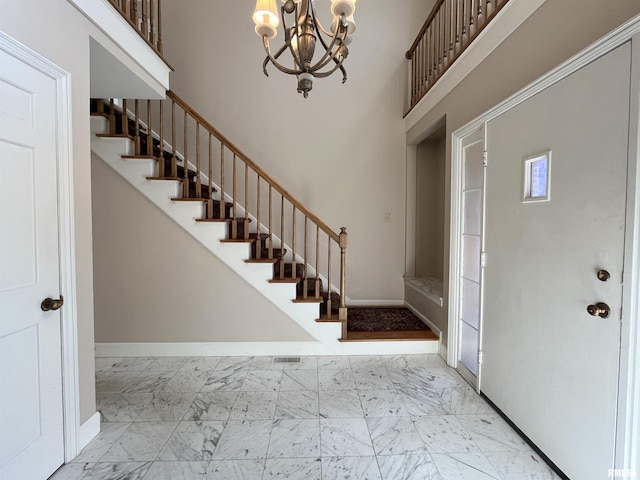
(51, 304)
(603, 275)
(600, 309)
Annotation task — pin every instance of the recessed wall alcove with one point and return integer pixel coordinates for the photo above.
(426, 207)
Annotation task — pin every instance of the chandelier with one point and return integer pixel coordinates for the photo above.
(302, 32)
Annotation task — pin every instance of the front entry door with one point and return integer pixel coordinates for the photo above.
(31, 423)
(550, 365)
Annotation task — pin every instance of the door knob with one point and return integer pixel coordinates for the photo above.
(603, 275)
(600, 309)
(51, 304)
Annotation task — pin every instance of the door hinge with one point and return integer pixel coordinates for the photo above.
(479, 357)
(485, 158)
(483, 259)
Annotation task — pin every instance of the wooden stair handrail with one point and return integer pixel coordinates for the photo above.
(264, 175)
(422, 31)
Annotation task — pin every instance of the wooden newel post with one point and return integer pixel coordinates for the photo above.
(342, 312)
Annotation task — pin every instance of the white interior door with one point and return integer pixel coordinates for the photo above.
(548, 364)
(31, 422)
(471, 246)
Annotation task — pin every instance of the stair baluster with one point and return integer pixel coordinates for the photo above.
(197, 179)
(450, 28)
(223, 213)
(270, 240)
(136, 128)
(112, 116)
(234, 224)
(210, 189)
(159, 42)
(144, 26)
(185, 147)
(174, 157)
(281, 235)
(149, 130)
(161, 160)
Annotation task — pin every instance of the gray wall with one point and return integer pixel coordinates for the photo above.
(430, 189)
(156, 283)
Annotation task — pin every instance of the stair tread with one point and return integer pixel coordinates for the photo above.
(178, 179)
(261, 260)
(308, 300)
(139, 157)
(114, 135)
(237, 219)
(238, 240)
(391, 335)
(190, 199)
(324, 319)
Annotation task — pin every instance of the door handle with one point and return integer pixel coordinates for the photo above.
(51, 304)
(600, 309)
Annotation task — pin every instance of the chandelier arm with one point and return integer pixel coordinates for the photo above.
(344, 73)
(329, 34)
(328, 49)
(319, 66)
(267, 60)
(318, 24)
(321, 28)
(329, 72)
(273, 60)
(328, 54)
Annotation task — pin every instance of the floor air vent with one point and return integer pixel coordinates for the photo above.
(286, 360)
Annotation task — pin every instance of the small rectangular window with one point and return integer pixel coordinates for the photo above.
(536, 177)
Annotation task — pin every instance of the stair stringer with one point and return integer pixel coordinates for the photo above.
(210, 234)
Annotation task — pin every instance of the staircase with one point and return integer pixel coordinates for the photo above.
(238, 212)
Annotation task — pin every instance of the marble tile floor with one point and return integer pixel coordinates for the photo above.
(405, 417)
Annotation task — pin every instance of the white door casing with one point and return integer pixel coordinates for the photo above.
(37, 234)
(548, 365)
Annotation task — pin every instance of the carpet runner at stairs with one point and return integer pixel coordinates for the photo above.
(363, 323)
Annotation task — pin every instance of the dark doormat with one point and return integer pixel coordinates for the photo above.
(365, 319)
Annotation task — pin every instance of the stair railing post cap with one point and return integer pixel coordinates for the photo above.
(343, 237)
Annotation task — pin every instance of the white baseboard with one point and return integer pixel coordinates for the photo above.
(417, 313)
(88, 431)
(442, 351)
(232, 349)
(217, 349)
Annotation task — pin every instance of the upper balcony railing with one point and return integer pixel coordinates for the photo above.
(450, 28)
(145, 16)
